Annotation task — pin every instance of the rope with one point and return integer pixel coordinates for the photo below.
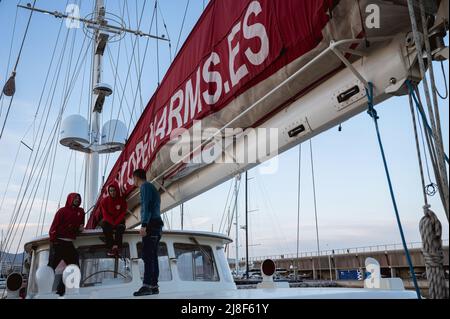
(431, 99)
(373, 114)
(45, 152)
(182, 26)
(225, 207)
(422, 113)
(138, 89)
(443, 97)
(419, 156)
(167, 31)
(427, 165)
(431, 233)
(157, 44)
(315, 202)
(9, 56)
(10, 84)
(298, 206)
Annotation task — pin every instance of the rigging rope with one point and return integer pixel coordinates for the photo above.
(315, 202)
(32, 171)
(422, 113)
(443, 97)
(298, 207)
(135, 95)
(427, 165)
(182, 26)
(167, 31)
(431, 232)
(50, 142)
(9, 56)
(373, 114)
(10, 86)
(431, 99)
(157, 44)
(225, 207)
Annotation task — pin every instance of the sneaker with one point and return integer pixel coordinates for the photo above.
(143, 291)
(155, 290)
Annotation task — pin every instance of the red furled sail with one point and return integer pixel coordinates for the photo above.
(237, 52)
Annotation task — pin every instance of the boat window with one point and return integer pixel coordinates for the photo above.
(165, 273)
(195, 263)
(99, 269)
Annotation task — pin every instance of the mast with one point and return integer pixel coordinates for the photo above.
(92, 167)
(246, 223)
(237, 224)
(102, 29)
(182, 216)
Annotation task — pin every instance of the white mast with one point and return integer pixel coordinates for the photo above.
(92, 166)
(237, 224)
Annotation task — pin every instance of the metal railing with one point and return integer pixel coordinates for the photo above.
(345, 251)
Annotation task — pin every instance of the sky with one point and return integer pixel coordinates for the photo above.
(353, 203)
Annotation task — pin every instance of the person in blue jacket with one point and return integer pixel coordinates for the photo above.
(151, 227)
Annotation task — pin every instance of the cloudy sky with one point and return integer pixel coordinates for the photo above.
(353, 203)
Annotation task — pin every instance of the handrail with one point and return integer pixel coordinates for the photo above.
(344, 251)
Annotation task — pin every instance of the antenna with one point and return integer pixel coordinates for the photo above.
(102, 27)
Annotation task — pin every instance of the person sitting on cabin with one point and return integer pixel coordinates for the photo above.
(114, 209)
(150, 231)
(67, 224)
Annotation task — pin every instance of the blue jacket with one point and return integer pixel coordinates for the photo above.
(150, 203)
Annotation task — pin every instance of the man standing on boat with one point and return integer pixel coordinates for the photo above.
(113, 208)
(150, 231)
(67, 224)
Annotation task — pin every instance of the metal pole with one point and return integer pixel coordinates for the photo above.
(315, 204)
(298, 208)
(92, 169)
(246, 223)
(237, 224)
(329, 264)
(182, 216)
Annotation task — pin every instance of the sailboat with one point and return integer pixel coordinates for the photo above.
(294, 67)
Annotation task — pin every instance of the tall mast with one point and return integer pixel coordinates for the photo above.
(92, 167)
(237, 224)
(102, 28)
(246, 223)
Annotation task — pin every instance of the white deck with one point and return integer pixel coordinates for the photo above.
(246, 294)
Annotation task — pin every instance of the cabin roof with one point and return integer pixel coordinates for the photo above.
(96, 232)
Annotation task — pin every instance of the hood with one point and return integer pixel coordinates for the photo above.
(70, 199)
(114, 185)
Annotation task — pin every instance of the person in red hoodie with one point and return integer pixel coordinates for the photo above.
(67, 224)
(114, 209)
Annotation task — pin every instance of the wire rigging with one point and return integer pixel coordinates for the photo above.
(315, 200)
(10, 86)
(182, 26)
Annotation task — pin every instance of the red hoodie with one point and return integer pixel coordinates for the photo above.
(67, 220)
(113, 209)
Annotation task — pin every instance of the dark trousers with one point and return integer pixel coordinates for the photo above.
(109, 230)
(62, 250)
(150, 245)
